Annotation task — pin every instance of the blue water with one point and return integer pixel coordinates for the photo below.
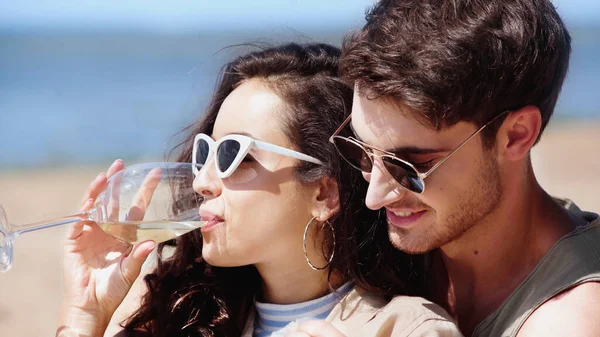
(83, 98)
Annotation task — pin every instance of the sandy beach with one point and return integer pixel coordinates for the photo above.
(567, 163)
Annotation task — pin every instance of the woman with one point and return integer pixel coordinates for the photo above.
(287, 239)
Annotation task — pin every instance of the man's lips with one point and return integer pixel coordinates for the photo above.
(403, 218)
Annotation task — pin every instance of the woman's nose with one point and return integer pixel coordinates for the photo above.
(206, 182)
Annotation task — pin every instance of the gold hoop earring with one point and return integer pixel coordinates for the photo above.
(304, 245)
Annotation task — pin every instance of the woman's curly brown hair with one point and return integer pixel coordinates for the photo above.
(188, 297)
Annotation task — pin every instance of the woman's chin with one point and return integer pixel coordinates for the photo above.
(217, 259)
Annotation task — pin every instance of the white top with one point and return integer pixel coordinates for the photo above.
(272, 319)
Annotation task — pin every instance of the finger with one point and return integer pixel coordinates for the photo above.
(76, 229)
(115, 190)
(94, 189)
(142, 198)
(131, 265)
(114, 198)
(99, 183)
(115, 167)
(318, 329)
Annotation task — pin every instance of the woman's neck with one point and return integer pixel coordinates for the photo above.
(295, 285)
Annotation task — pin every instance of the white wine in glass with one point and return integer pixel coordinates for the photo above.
(150, 201)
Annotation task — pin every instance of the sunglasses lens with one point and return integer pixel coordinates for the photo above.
(202, 151)
(226, 154)
(353, 153)
(404, 174)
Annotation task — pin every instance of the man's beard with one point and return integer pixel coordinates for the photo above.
(476, 202)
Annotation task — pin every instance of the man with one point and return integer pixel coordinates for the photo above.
(451, 95)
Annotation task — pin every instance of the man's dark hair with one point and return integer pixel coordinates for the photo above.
(460, 60)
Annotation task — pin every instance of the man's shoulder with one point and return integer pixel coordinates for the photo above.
(574, 312)
(592, 218)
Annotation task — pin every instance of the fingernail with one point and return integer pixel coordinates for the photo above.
(149, 245)
(90, 200)
(118, 160)
(100, 175)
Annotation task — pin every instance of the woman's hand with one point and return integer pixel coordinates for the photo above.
(98, 269)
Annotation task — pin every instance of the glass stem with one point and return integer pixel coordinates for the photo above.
(34, 226)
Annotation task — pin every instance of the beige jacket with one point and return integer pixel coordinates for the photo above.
(359, 313)
(363, 314)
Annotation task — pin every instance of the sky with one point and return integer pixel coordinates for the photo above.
(185, 15)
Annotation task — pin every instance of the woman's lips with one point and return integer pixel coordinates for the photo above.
(209, 225)
(211, 219)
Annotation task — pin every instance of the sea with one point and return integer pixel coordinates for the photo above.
(87, 97)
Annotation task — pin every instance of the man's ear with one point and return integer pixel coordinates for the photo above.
(326, 199)
(518, 133)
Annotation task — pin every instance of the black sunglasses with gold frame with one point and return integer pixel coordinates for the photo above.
(361, 156)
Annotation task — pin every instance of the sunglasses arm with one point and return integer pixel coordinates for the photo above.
(340, 128)
(285, 152)
(424, 175)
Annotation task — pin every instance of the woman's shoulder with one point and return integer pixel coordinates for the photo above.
(416, 316)
(413, 306)
(363, 313)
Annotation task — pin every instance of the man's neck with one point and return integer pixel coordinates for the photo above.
(484, 266)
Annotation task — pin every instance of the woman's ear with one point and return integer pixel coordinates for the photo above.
(326, 199)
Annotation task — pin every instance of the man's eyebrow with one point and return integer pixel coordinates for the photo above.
(417, 150)
(404, 150)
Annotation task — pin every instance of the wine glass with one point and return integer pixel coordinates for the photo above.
(150, 201)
